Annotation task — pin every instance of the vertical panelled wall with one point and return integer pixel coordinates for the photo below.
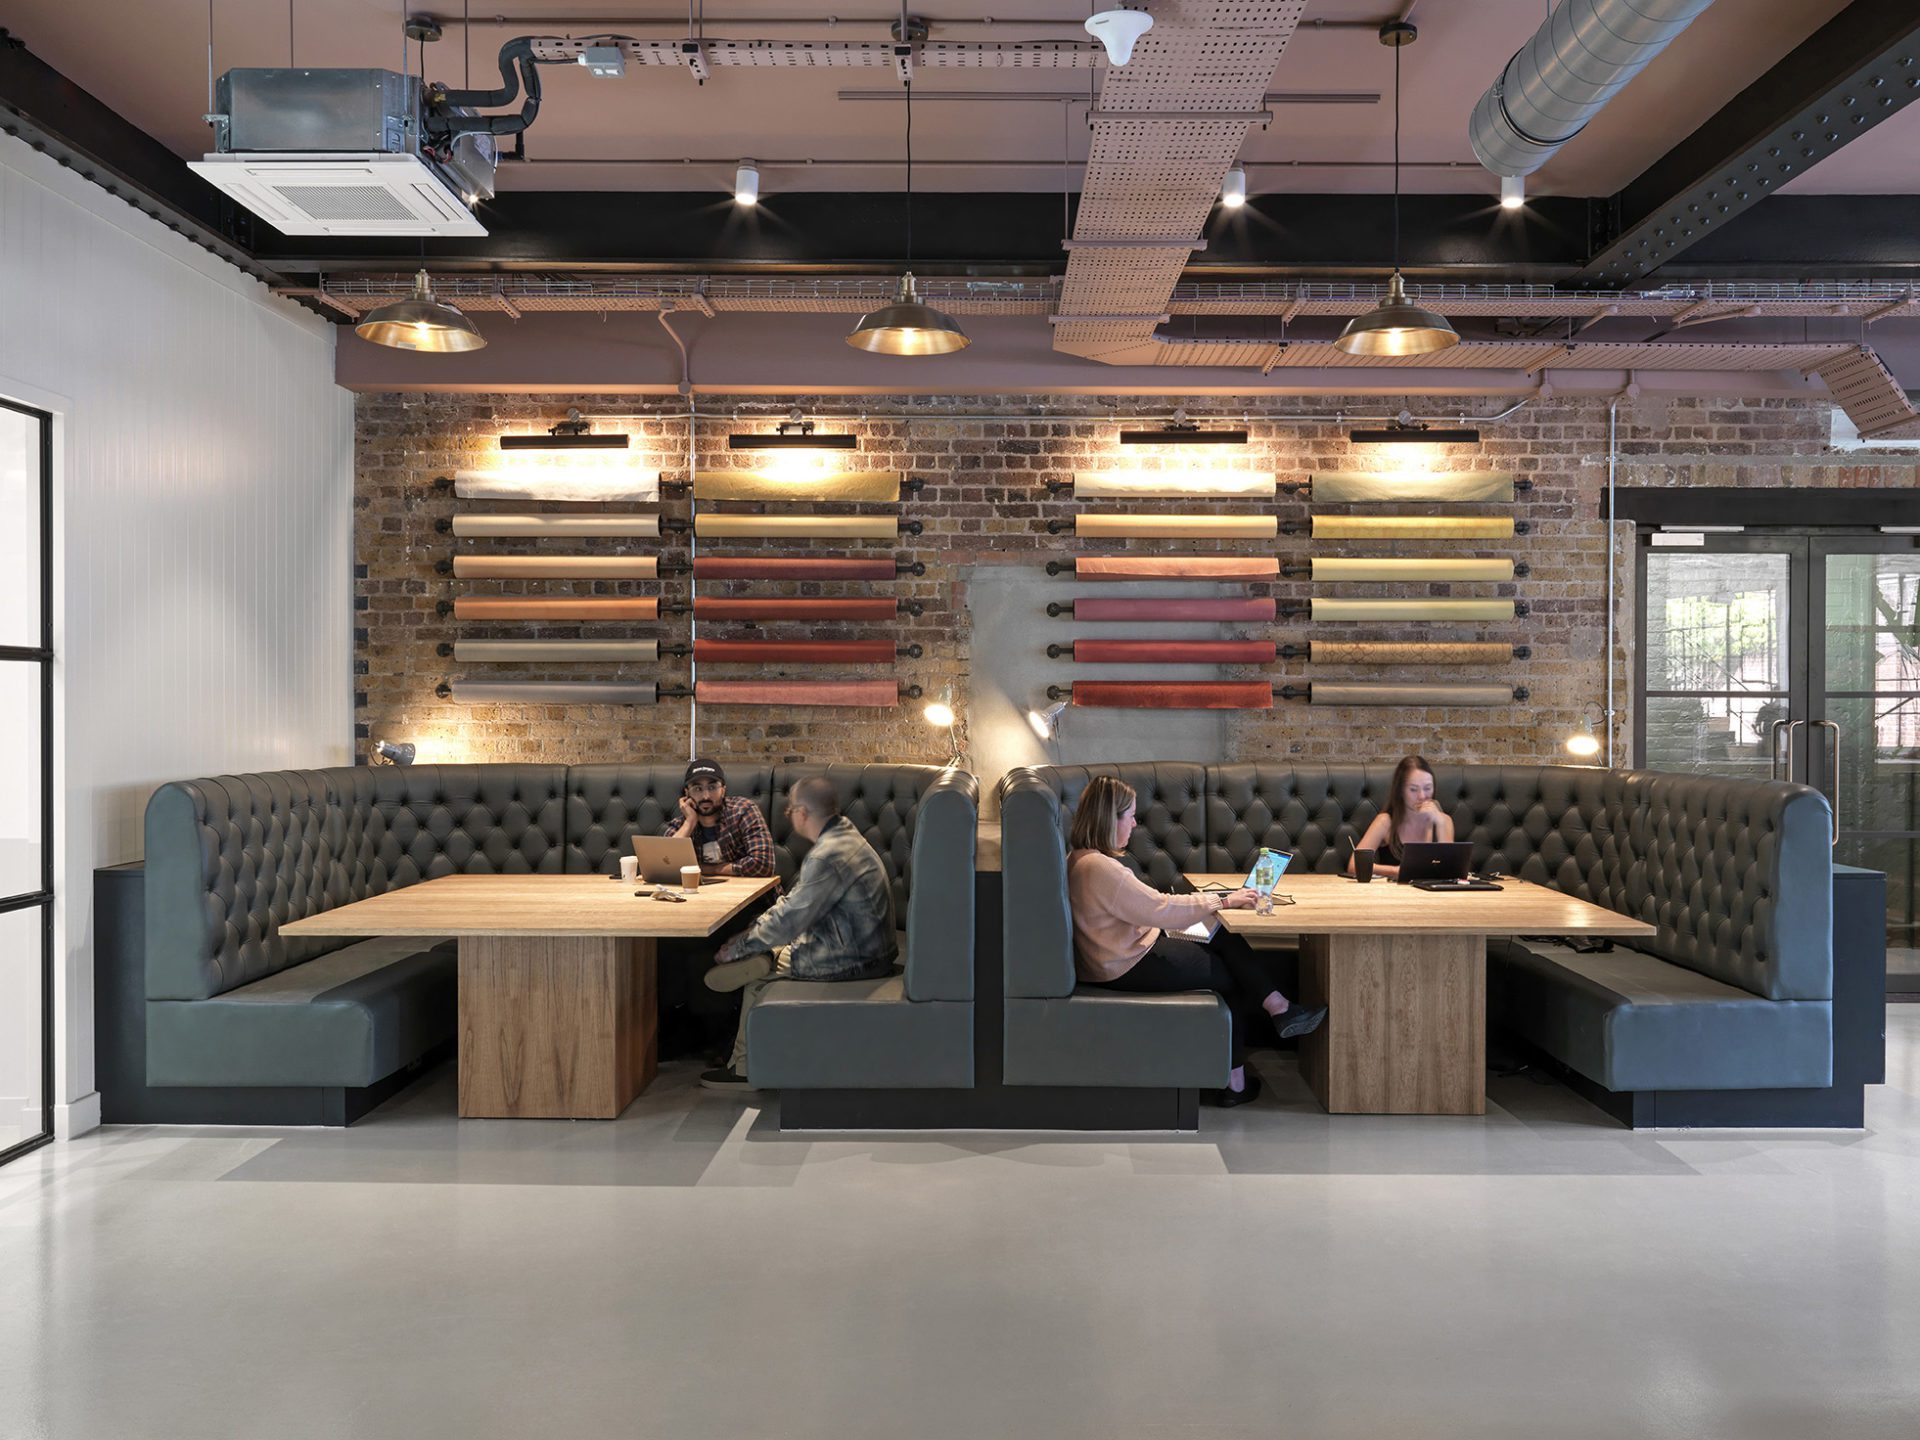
(985, 509)
(203, 495)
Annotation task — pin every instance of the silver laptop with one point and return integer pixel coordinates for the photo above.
(660, 858)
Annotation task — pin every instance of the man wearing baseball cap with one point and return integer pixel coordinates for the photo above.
(729, 834)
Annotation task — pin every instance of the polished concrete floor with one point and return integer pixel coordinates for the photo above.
(688, 1272)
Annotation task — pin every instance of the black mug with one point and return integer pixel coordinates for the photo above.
(1363, 866)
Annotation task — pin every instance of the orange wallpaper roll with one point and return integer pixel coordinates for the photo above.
(883, 485)
(1439, 611)
(566, 527)
(1412, 652)
(1177, 567)
(793, 652)
(1170, 695)
(756, 608)
(1173, 652)
(556, 567)
(1412, 527)
(868, 694)
(788, 527)
(1149, 612)
(553, 607)
(1432, 569)
(1220, 527)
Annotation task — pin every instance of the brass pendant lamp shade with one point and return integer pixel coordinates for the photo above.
(1397, 326)
(908, 327)
(420, 322)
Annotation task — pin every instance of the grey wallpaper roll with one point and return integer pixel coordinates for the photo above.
(538, 652)
(1359, 487)
(1373, 693)
(558, 482)
(566, 527)
(1425, 568)
(557, 692)
(1414, 609)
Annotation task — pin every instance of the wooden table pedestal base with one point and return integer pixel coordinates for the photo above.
(556, 1027)
(1406, 1030)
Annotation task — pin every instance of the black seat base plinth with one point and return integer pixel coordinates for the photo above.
(992, 1107)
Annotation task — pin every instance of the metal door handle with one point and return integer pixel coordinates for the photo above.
(1833, 770)
(1781, 772)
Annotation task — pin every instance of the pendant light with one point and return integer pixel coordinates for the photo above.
(1397, 326)
(420, 322)
(908, 327)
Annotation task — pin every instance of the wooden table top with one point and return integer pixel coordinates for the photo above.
(1333, 904)
(536, 905)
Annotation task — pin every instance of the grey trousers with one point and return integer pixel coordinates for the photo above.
(750, 994)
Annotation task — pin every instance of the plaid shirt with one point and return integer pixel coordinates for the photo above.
(745, 842)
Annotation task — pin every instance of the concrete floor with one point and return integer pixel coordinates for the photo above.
(686, 1272)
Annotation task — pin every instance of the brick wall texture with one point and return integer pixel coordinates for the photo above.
(985, 502)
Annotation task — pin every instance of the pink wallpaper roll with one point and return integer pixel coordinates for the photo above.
(793, 652)
(1149, 611)
(789, 567)
(1173, 652)
(755, 608)
(1172, 695)
(869, 694)
(1177, 567)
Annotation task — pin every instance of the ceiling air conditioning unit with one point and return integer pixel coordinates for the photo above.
(341, 152)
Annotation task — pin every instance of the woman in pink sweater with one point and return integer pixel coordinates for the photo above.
(1121, 939)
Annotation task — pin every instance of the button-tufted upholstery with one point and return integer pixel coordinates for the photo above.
(1170, 813)
(401, 825)
(607, 805)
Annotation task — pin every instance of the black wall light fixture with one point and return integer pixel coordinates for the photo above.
(1400, 432)
(573, 433)
(792, 435)
(1182, 431)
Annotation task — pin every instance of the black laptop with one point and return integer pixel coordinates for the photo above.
(1439, 865)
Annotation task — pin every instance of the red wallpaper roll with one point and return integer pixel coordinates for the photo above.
(1148, 611)
(873, 694)
(1173, 695)
(1178, 567)
(759, 609)
(796, 652)
(1173, 652)
(784, 567)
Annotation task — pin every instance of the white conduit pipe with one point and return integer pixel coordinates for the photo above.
(1577, 61)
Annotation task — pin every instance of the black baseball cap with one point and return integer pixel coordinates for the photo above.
(705, 770)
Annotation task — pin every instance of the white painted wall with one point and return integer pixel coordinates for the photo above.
(203, 513)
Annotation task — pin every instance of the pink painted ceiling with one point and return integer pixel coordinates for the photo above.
(148, 59)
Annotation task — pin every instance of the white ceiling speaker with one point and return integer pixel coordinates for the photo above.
(1118, 30)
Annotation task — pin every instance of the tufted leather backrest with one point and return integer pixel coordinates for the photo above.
(607, 805)
(939, 916)
(882, 801)
(1169, 835)
(1037, 924)
(400, 825)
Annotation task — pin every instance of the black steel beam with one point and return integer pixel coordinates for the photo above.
(1793, 507)
(1855, 71)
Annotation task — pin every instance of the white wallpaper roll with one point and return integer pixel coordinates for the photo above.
(1441, 611)
(1171, 484)
(564, 527)
(538, 652)
(1358, 487)
(1219, 527)
(882, 485)
(556, 567)
(845, 527)
(1433, 569)
(1374, 693)
(557, 692)
(559, 483)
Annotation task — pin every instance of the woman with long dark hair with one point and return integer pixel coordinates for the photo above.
(1126, 934)
(1412, 816)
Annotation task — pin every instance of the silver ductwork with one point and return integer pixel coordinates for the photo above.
(1576, 62)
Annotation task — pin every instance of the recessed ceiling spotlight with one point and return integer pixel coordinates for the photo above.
(1233, 191)
(746, 184)
(1118, 30)
(1513, 191)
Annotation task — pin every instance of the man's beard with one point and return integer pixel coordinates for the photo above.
(706, 809)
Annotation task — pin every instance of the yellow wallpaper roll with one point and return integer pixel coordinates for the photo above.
(1358, 487)
(539, 652)
(1442, 611)
(565, 527)
(1410, 652)
(844, 527)
(1171, 484)
(1185, 527)
(1425, 568)
(556, 567)
(843, 485)
(1412, 527)
(611, 482)
(1325, 693)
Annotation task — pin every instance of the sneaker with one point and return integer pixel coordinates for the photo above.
(738, 974)
(1297, 1020)
(724, 1077)
(1227, 1099)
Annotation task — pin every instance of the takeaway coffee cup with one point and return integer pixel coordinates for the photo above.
(1363, 865)
(630, 868)
(689, 877)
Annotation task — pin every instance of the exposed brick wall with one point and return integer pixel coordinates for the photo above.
(984, 502)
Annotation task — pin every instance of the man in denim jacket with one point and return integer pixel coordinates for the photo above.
(836, 923)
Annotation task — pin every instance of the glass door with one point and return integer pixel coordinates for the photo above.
(26, 779)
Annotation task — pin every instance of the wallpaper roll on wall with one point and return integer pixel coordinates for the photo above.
(539, 652)
(565, 527)
(787, 527)
(1170, 695)
(1170, 484)
(1148, 612)
(1218, 527)
(556, 567)
(553, 607)
(759, 608)
(1173, 652)
(753, 485)
(794, 652)
(1412, 609)
(556, 692)
(1176, 567)
(1412, 527)
(868, 694)
(1358, 487)
(1382, 694)
(559, 483)
(1411, 652)
(787, 567)
(1425, 568)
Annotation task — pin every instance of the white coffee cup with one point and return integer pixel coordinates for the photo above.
(689, 877)
(629, 868)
